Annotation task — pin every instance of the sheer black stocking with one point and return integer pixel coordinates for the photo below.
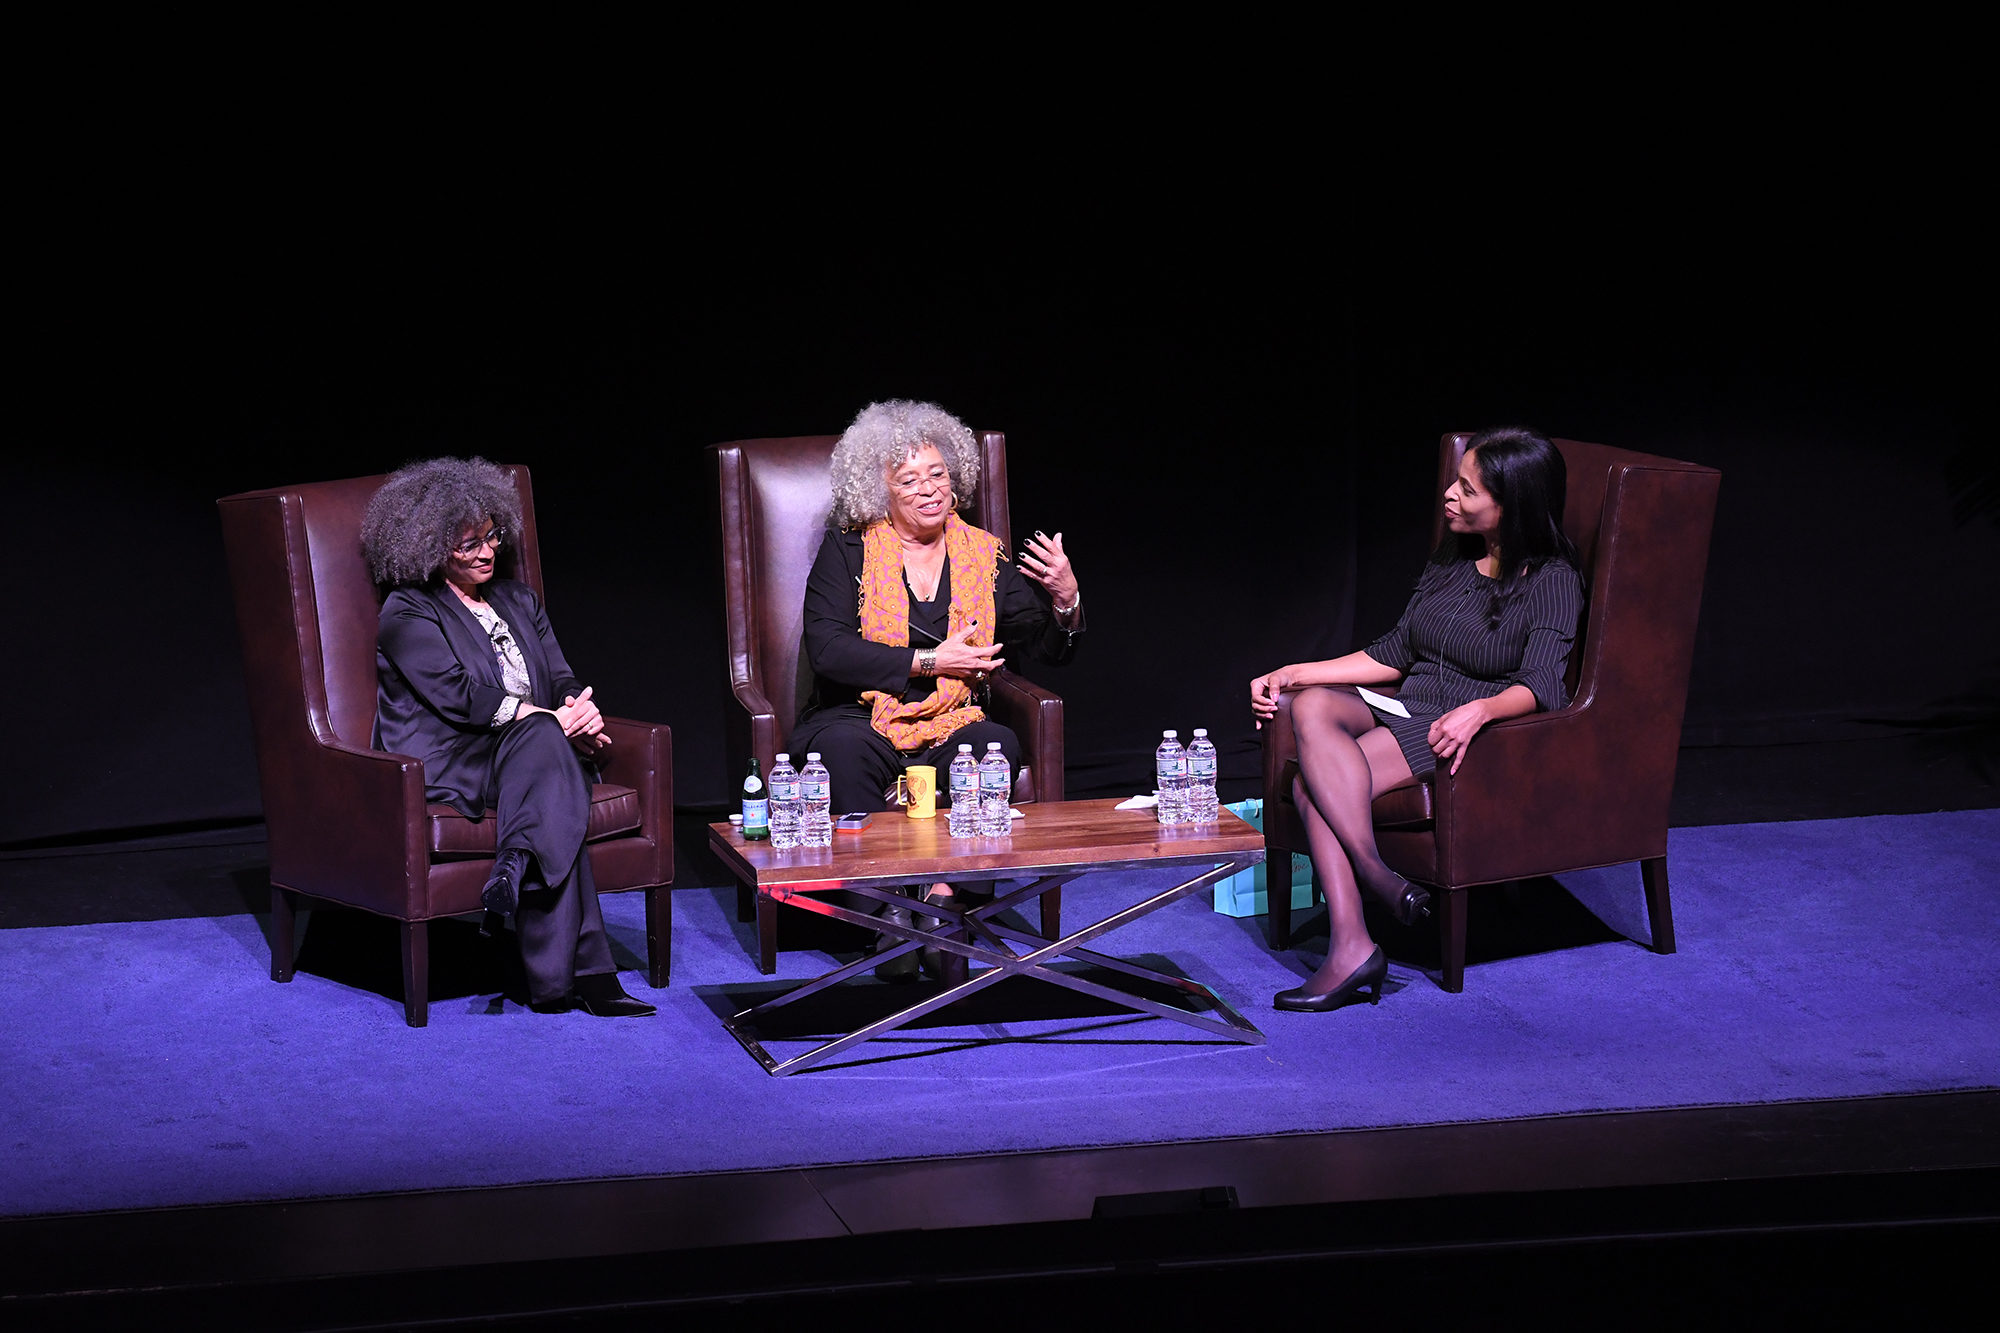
(1339, 779)
(1329, 725)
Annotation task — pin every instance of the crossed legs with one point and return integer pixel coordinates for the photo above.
(1346, 760)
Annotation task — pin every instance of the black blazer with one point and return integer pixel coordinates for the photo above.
(438, 684)
(844, 664)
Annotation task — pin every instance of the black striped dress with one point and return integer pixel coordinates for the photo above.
(1452, 653)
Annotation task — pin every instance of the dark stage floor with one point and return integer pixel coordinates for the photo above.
(1793, 1190)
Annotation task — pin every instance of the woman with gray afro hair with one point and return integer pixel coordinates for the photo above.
(470, 679)
(882, 436)
(908, 609)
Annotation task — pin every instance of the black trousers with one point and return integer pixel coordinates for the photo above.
(862, 764)
(541, 799)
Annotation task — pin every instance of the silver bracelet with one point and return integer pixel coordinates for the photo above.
(1067, 610)
(927, 661)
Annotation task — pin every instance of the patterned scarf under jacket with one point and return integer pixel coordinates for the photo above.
(885, 618)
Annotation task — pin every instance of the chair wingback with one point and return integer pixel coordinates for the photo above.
(1641, 525)
(295, 558)
(775, 495)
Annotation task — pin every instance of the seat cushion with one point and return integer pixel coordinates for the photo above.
(613, 810)
(1405, 809)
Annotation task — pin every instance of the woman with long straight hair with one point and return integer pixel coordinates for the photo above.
(1485, 637)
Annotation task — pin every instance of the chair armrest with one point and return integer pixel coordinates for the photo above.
(347, 825)
(642, 758)
(1548, 792)
(1037, 718)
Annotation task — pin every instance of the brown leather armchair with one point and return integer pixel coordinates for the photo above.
(775, 496)
(1552, 792)
(349, 824)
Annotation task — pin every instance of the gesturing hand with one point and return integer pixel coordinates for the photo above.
(956, 657)
(1264, 692)
(1450, 734)
(1047, 564)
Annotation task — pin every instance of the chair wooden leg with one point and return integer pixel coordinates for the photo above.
(746, 902)
(416, 973)
(1654, 871)
(767, 934)
(284, 933)
(1052, 914)
(1278, 898)
(1450, 906)
(659, 935)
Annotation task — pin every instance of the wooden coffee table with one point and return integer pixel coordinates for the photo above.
(1054, 845)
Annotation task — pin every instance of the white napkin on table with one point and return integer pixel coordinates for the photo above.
(1146, 802)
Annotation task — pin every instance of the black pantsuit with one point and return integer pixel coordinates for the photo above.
(544, 807)
(438, 689)
(862, 765)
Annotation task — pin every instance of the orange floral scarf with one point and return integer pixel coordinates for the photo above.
(885, 618)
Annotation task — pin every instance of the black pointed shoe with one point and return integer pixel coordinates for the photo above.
(1412, 905)
(1368, 977)
(600, 996)
(503, 888)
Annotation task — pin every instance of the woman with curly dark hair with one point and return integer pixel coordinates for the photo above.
(472, 681)
(1485, 637)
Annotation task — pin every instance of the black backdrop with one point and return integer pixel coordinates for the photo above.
(1228, 402)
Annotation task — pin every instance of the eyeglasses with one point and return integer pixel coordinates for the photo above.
(938, 480)
(495, 539)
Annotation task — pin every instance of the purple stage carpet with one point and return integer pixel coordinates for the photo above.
(155, 1063)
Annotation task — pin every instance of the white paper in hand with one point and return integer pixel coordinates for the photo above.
(1381, 701)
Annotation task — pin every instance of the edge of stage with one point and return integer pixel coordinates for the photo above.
(1464, 1167)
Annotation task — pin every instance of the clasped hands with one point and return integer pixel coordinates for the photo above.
(579, 719)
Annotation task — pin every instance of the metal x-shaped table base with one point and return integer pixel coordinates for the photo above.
(1002, 961)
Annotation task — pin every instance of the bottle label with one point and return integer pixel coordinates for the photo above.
(962, 782)
(814, 791)
(784, 791)
(1174, 766)
(756, 814)
(1202, 766)
(994, 780)
(752, 785)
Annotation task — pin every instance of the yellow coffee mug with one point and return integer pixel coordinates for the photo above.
(922, 780)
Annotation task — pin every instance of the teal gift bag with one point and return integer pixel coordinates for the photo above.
(1244, 893)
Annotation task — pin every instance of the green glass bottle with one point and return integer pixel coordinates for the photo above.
(756, 804)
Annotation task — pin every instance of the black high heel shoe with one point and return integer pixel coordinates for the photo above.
(1412, 905)
(1368, 977)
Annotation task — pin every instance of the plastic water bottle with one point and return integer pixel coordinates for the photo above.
(756, 805)
(1202, 806)
(1170, 765)
(784, 804)
(996, 784)
(964, 794)
(815, 804)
